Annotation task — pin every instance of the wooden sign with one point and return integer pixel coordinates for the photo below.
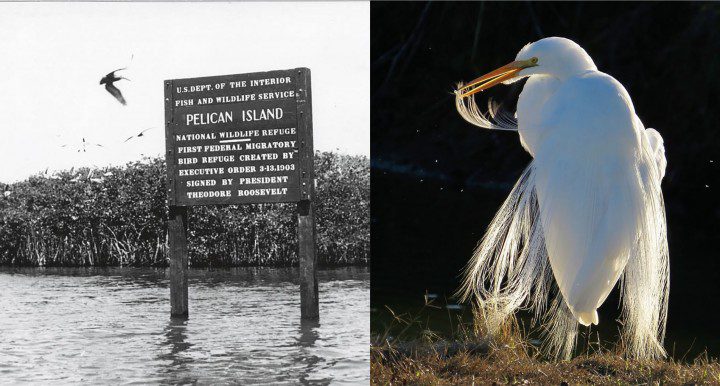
(239, 139)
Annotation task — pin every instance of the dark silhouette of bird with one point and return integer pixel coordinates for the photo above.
(138, 135)
(108, 80)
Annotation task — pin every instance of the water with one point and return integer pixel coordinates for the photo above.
(113, 326)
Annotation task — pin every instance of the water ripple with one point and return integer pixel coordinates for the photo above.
(111, 326)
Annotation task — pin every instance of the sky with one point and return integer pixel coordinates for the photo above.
(53, 55)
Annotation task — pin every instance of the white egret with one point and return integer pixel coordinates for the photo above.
(587, 211)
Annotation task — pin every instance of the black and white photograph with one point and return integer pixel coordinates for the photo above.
(185, 193)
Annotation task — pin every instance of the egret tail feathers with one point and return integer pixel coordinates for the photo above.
(510, 270)
(645, 283)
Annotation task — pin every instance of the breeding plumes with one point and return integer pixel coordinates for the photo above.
(588, 210)
(109, 80)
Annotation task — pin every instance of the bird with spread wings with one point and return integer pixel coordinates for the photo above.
(109, 80)
(137, 135)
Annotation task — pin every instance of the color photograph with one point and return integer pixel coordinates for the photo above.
(544, 183)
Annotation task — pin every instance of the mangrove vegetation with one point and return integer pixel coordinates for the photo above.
(117, 216)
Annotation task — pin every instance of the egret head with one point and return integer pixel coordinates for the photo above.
(554, 56)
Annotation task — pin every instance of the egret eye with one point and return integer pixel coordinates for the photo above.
(534, 60)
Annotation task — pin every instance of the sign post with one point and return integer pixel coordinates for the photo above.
(308, 269)
(177, 229)
(240, 139)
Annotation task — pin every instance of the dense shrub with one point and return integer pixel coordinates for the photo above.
(118, 216)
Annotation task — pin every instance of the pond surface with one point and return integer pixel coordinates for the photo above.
(113, 326)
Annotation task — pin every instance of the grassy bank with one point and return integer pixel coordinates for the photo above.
(468, 357)
(117, 216)
(507, 367)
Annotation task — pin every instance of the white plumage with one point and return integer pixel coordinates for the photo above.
(587, 211)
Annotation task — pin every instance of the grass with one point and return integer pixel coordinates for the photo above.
(468, 357)
(508, 367)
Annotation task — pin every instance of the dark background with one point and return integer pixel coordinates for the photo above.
(437, 180)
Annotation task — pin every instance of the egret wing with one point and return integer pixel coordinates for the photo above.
(588, 190)
(589, 210)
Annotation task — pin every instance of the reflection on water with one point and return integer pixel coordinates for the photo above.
(307, 360)
(176, 341)
(113, 326)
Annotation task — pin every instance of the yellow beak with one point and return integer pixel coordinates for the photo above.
(492, 78)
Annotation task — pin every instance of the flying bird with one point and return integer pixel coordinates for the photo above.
(85, 143)
(82, 147)
(586, 213)
(108, 81)
(137, 135)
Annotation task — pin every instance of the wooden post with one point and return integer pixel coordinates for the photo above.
(309, 309)
(177, 229)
